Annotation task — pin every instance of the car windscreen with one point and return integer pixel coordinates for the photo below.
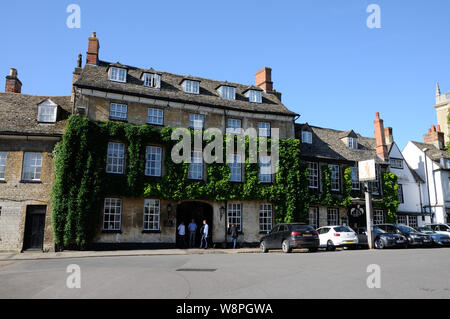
(406, 229)
(343, 229)
(302, 228)
(378, 230)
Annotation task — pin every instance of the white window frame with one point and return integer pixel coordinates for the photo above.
(356, 185)
(265, 169)
(234, 126)
(264, 129)
(335, 177)
(234, 215)
(352, 143)
(112, 214)
(155, 116)
(195, 119)
(118, 111)
(227, 92)
(378, 217)
(152, 80)
(3, 157)
(191, 86)
(413, 221)
(402, 219)
(307, 137)
(234, 162)
(153, 161)
(374, 186)
(313, 177)
(401, 198)
(152, 215)
(196, 166)
(396, 163)
(47, 112)
(332, 216)
(117, 74)
(32, 166)
(254, 96)
(313, 217)
(115, 161)
(265, 218)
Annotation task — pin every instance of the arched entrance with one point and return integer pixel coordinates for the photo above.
(198, 211)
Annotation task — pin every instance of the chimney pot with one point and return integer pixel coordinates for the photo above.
(13, 84)
(438, 128)
(93, 48)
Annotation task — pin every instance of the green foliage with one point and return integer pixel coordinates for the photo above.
(390, 198)
(81, 181)
(448, 122)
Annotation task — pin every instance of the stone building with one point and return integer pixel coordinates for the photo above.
(105, 91)
(340, 150)
(30, 127)
(442, 106)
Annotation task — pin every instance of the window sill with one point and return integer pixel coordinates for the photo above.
(145, 231)
(107, 231)
(30, 182)
(118, 120)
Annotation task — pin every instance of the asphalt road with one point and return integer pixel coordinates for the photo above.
(411, 273)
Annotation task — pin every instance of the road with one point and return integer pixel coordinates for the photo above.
(412, 273)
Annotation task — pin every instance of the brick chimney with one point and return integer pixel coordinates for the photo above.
(388, 137)
(13, 84)
(435, 137)
(263, 79)
(93, 48)
(379, 137)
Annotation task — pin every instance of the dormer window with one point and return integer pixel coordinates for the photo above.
(152, 80)
(227, 92)
(352, 143)
(47, 112)
(307, 137)
(190, 86)
(117, 74)
(254, 96)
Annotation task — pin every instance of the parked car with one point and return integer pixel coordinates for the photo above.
(382, 239)
(337, 236)
(439, 239)
(289, 236)
(414, 237)
(443, 229)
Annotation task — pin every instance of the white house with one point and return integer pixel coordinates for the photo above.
(431, 162)
(410, 186)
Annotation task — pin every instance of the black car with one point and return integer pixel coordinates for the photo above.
(414, 237)
(382, 239)
(289, 236)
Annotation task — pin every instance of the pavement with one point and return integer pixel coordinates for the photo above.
(403, 273)
(31, 255)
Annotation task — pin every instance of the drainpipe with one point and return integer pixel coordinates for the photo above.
(428, 184)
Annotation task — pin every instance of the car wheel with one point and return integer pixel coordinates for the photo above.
(263, 247)
(330, 246)
(379, 244)
(286, 247)
(313, 250)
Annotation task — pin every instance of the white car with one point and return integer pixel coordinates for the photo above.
(337, 236)
(442, 229)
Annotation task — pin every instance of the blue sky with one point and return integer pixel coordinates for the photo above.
(330, 67)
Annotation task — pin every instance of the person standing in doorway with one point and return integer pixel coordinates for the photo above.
(181, 235)
(192, 227)
(233, 232)
(204, 232)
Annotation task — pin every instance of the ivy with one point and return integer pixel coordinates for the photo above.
(81, 181)
(390, 198)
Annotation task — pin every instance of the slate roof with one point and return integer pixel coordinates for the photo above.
(327, 144)
(96, 77)
(19, 114)
(433, 152)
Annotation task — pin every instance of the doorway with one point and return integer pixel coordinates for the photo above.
(356, 217)
(34, 227)
(198, 211)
